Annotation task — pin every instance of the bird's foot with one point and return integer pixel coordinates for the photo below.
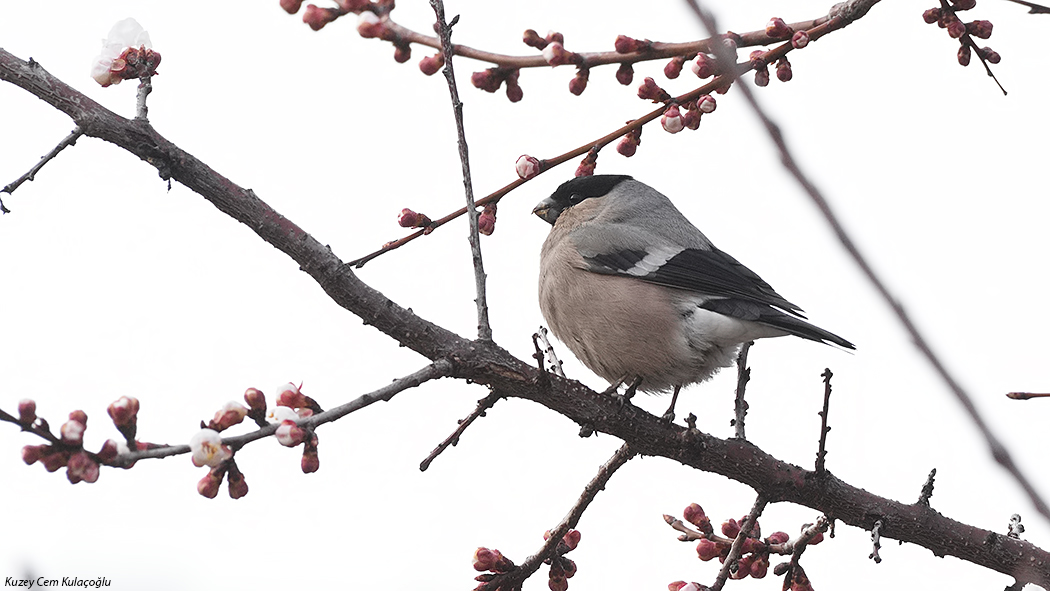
(625, 398)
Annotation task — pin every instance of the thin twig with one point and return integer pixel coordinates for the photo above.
(927, 489)
(822, 450)
(145, 87)
(1026, 395)
(555, 363)
(513, 579)
(69, 140)
(738, 544)
(483, 405)
(743, 375)
(438, 369)
(876, 544)
(998, 450)
(445, 30)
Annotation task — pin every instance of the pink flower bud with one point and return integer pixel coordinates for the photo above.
(514, 92)
(673, 68)
(111, 449)
(318, 17)
(291, 6)
(625, 44)
(730, 528)
(78, 416)
(402, 53)
(800, 39)
(208, 486)
(932, 15)
(72, 432)
(406, 219)
(762, 77)
(760, 566)
(310, 462)
(625, 74)
(956, 29)
(672, 120)
(81, 467)
(627, 147)
(964, 55)
(778, 537)
(555, 37)
(527, 166)
(579, 82)
(124, 411)
(706, 103)
(691, 119)
(778, 29)
(743, 567)
(964, 4)
(26, 412)
(256, 399)
(369, 25)
(289, 434)
(556, 583)
(649, 90)
(704, 66)
(783, 70)
(556, 54)
(289, 394)
(533, 39)
(980, 29)
(238, 486)
(488, 80)
(491, 560)
(586, 167)
(487, 220)
(54, 460)
(230, 414)
(431, 64)
(817, 539)
(706, 549)
(989, 54)
(693, 587)
(32, 454)
(571, 538)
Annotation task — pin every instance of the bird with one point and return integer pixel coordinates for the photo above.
(639, 294)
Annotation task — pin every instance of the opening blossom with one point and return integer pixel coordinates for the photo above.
(208, 450)
(126, 53)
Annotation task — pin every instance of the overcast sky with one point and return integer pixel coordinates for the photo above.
(113, 285)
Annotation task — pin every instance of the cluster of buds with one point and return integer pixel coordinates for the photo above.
(758, 64)
(562, 568)
(552, 46)
(755, 551)
(67, 450)
(947, 19)
(126, 54)
(491, 79)
(674, 120)
(625, 44)
(492, 563)
(293, 405)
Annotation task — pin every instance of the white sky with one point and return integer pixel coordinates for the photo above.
(112, 285)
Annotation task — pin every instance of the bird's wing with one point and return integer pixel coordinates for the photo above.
(709, 272)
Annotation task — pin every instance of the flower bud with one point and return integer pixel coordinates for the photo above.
(124, 411)
(81, 467)
(627, 147)
(625, 74)
(310, 462)
(778, 29)
(778, 537)
(980, 29)
(229, 415)
(369, 25)
(72, 432)
(318, 17)
(586, 167)
(989, 54)
(706, 103)
(730, 528)
(704, 66)
(291, 6)
(491, 560)
(760, 566)
(431, 64)
(256, 399)
(555, 37)
(238, 486)
(556, 54)
(289, 434)
(649, 90)
(579, 82)
(672, 120)
(706, 549)
(487, 220)
(527, 166)
(32, 454)
(26, 412)
(783, 70)
(406, 219)
(800, 39)
(964, 4)
(955, 29)
(571, 538)
(488, 80)
(762, 77)
(533, 39)
(932, 15)
(402, 53)
(625, 44)
(964, 55)
(208, 486)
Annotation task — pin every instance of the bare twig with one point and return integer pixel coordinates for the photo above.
(876, 535)
(927, 489)
(483, 405)
(824, 428)
(445, 31)
(69, 140)
(1016, 529)
(1026, 395)
(997, 449)
(145, 87)
(1033, 7)
(438, 369)
(743, 375)
(738, 544)
(548, 348)
(513, 579)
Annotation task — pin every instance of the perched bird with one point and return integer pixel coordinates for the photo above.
(641, 296)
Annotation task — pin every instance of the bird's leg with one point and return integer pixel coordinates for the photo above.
(611, 390)
(669, 415)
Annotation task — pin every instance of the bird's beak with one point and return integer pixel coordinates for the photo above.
(547, 211)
